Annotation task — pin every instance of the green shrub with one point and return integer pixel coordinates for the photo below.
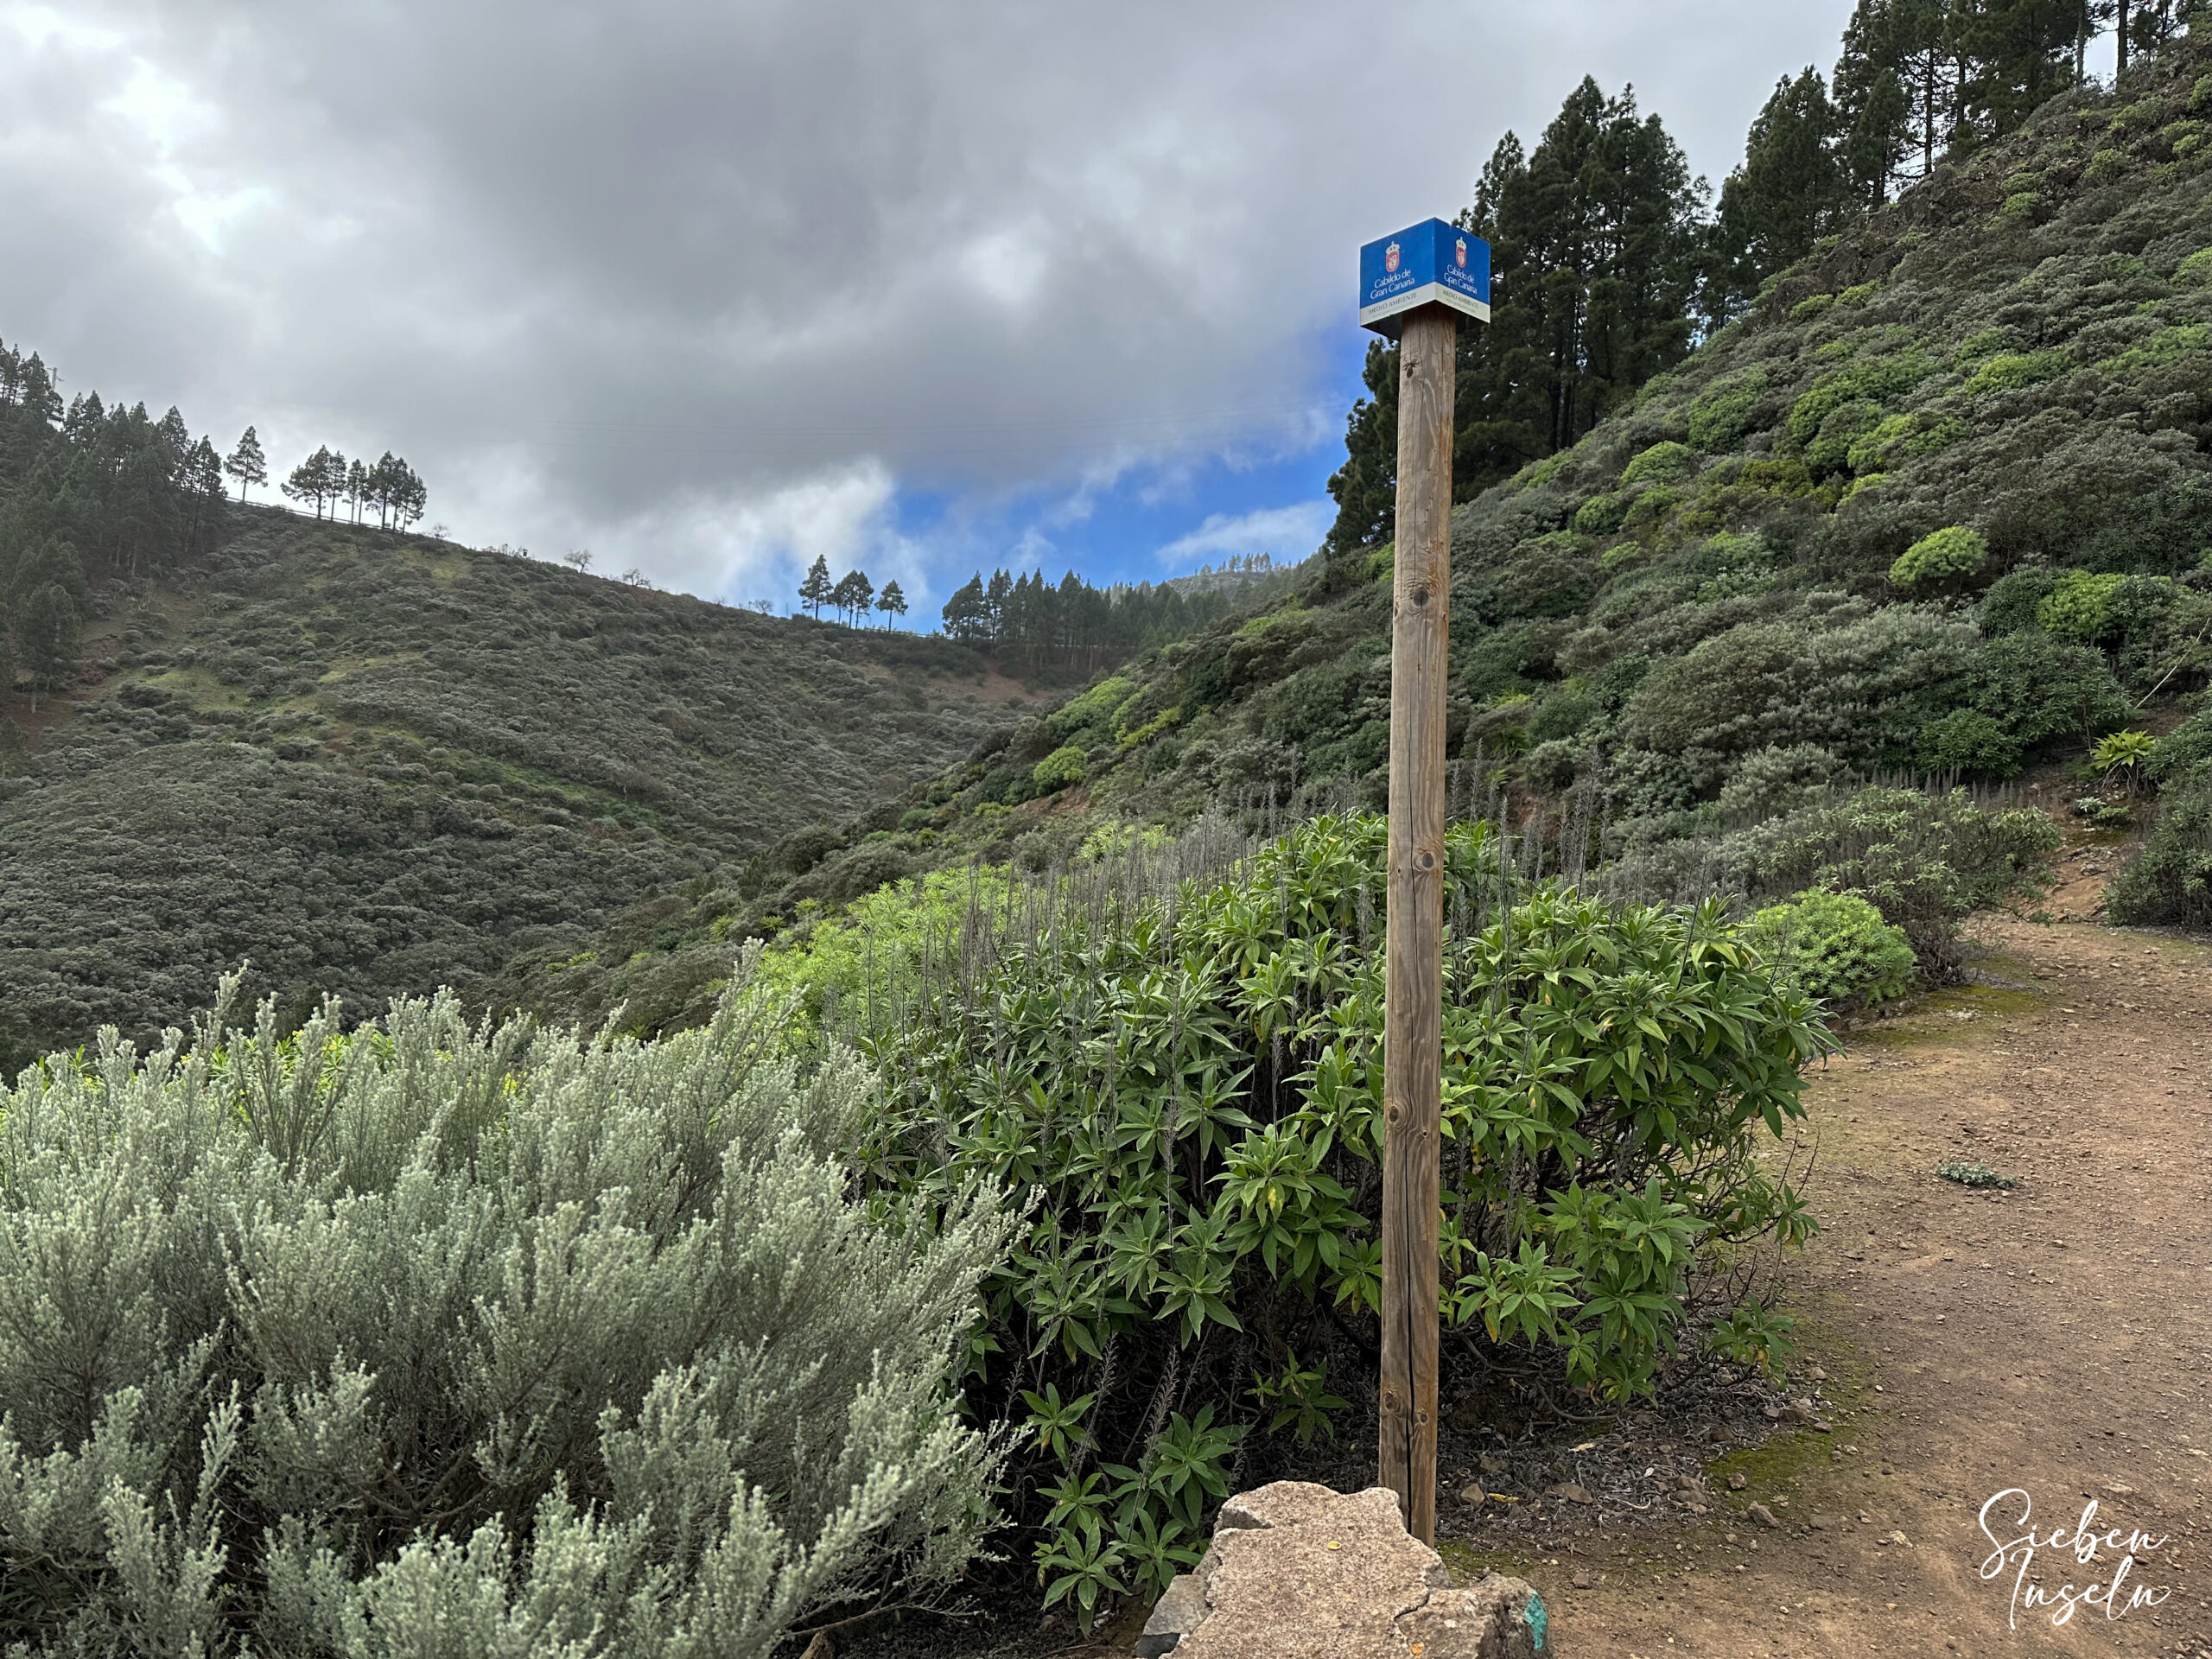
(2195, 271)
(1837, 946)
(2183, 750)
(2169, 884)
(2079, 607)
(1829, 449)
(1063, 766)
(2038, 688)
(1946, 555)
(1925, 860)
(1090, 713)
(1720, 414)
(1601, 515)
(1193, 1088)
(1967, 740)
(429, 1339)
(2009, 605)
(1663, 463)
(2014, 371)
(1875, 381)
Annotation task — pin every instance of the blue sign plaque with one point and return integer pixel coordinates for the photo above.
(1431, 264)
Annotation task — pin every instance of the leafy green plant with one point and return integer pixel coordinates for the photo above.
(1945, 556)
(1961, 1173)
(2080, 606)
(1838, 947)
(2121, 757)
(1062, 766)
(1189, 1077)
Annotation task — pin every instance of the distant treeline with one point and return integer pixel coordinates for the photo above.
(90, 494)
(1029, 621)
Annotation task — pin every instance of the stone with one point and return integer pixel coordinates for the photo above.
(1573, 1491)
(1799, 1411)
(1296, 1570)
(1823, 1523)
(1763, 1515)
(1497, 1617)
(1736, 1483)
(1180, 1609)
(820, 1647)
(1491, 1464)
(1474, 1497)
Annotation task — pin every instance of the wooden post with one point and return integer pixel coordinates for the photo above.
(1413, 996)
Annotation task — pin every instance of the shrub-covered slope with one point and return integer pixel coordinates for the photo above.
(377, 763)
(1942, 502)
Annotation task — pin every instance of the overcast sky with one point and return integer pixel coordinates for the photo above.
(709, 288)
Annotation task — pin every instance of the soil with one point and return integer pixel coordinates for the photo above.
(2051, 1339)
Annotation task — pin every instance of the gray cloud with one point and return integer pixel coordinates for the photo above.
(704, 286)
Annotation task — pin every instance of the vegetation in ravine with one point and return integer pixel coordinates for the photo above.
(375, 763)
(431, 1339)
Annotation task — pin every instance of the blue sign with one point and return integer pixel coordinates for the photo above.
(1431, 263)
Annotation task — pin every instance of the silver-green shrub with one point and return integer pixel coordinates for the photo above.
(431, 1340)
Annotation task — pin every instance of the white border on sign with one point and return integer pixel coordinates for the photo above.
(1427, 294)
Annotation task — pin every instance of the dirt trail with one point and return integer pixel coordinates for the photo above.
(2055, 1338)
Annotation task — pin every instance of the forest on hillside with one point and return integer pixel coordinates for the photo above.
(1609, 263)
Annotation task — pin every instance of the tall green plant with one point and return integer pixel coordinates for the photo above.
(1191, 1082)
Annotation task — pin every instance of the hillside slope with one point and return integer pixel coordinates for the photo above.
(1696, 618)
(376, 764)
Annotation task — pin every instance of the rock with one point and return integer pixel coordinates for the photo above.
(1799, 1411)
(1763, 1515)
(1474, 1497)
(1497, 1617)
(1573, 1491)
(1898, 1538)
(1824, 1523)
(1180, 1609)
(1816, 1374)
(819, 1648)
(1718, 1434)
(1491, 1464)
(2115, 1489)
(1299, 1572)
(1581, 1579)
(1736, 1483)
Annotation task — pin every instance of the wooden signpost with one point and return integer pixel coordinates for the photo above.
(1415, 287)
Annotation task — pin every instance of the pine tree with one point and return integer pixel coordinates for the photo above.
(816, 591)
(1789, 191)
(851, 594)
(890, 602)
(2014, 55)
(966, 615)
(316, 479)
(247, 464)
(1365, 488)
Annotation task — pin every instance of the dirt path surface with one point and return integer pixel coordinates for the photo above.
(2055, 1338)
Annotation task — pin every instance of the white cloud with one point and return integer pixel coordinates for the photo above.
(682, 269)
(1287, 533)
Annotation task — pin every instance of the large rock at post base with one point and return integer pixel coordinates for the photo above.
(1297, 1571)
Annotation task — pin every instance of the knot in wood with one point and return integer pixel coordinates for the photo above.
(1426, 860)
(1421, 597)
